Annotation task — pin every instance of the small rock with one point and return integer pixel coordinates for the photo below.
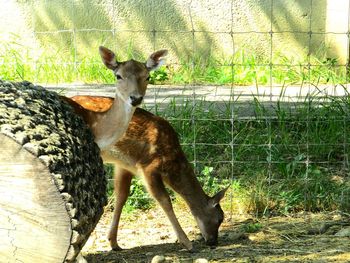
(201, 260)
(158, 259)
(344, 232)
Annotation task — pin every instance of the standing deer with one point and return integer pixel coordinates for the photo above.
(132, 80)
(150, 148)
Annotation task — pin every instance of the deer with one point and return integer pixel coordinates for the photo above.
(132, 80)
(151, 149)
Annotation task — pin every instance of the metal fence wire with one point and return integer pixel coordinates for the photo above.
(283, 145)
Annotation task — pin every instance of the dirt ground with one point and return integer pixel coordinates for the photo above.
(306, 237)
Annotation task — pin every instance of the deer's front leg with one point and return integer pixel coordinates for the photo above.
(122, 182)
(157, 189)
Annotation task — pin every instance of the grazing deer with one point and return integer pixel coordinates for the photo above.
(150, 148)
(132, 79)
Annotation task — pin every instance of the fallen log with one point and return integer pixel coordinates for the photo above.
(52, 181)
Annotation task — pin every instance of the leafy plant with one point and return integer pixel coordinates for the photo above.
(138, 198)
(159, 76)
(252, 227)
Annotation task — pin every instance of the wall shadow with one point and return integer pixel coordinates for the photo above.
(75, 29)
(136, 28)
(296, 20)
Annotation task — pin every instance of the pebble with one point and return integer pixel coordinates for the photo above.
(201, 260)
(158, 259)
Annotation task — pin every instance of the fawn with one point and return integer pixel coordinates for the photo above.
(150, 148)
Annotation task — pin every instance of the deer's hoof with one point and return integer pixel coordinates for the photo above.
(189, 246)
(116, 248)
(113, 243)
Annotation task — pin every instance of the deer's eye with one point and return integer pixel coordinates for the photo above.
(148, 78)
(119, 77)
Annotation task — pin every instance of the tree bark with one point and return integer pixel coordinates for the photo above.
(52, 181)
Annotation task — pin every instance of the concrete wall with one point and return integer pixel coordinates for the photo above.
(73, 29)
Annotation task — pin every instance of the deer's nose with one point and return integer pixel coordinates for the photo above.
(135, 101)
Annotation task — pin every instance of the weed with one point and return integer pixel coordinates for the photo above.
(251, 227)
(159, 76)
(138, 198)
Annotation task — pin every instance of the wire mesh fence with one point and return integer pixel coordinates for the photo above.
(282, 141)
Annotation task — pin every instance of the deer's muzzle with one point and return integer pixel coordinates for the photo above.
(135, 101)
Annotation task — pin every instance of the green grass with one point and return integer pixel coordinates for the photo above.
(248, 69)
(296, 160)
(18, 63)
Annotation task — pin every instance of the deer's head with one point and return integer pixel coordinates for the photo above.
(210, 221)
(132, 76)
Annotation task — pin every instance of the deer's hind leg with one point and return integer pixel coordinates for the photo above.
(156, 188)
(122, 182)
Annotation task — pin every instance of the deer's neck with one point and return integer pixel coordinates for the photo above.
(110, 126)
(192, 192)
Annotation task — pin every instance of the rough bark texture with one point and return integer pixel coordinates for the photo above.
(44, 127)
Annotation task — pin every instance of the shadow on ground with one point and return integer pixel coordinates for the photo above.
(300, 238)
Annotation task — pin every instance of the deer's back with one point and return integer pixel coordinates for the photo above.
(150, 139)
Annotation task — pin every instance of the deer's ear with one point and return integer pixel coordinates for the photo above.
(215, 200)
(156, 59)
(108, 58)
